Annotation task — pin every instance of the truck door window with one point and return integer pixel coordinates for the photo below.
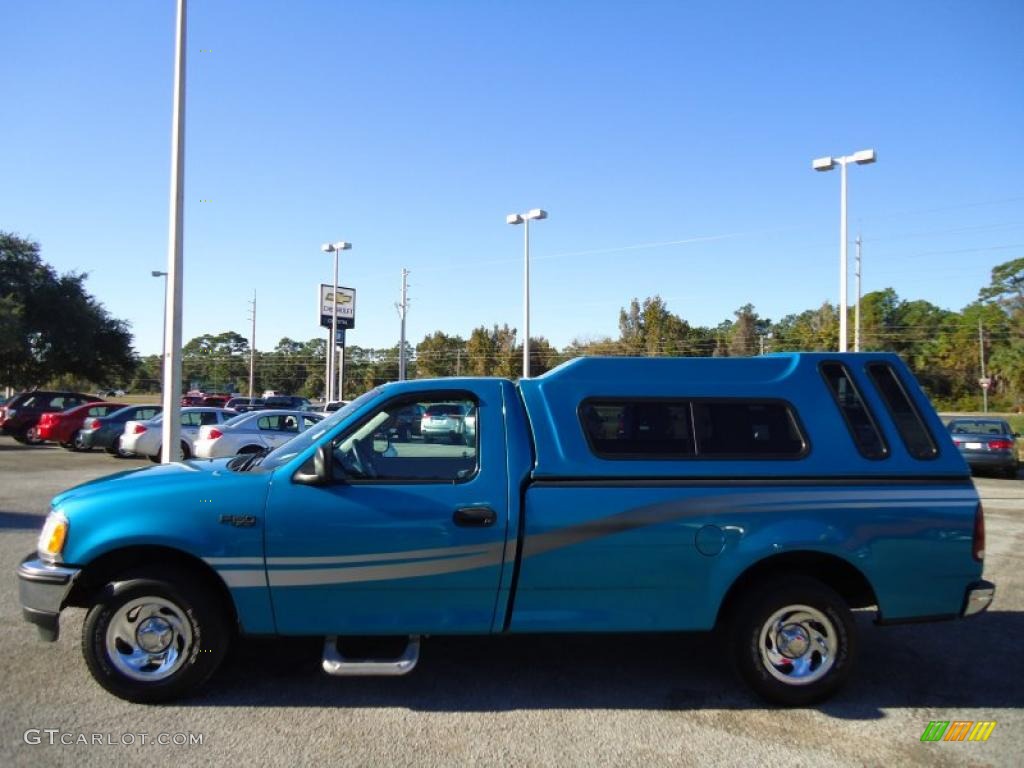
(385, 448)
(858, 417)
(909, 424)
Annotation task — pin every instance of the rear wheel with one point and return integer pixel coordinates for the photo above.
(793, 640)
(248, 449)
(67, 446)
(32, 436)
(78, 443)
(154, 636)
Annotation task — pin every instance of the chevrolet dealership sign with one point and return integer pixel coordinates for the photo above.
(346, 306)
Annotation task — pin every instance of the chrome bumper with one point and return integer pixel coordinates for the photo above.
(978, 597)
(42, 588)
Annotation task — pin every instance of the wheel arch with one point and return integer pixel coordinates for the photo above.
(109, 565)
(833, 571)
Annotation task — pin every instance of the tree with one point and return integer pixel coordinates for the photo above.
(52, 327)
(441, 355)
(651, 329)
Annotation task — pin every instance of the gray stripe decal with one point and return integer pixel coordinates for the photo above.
(318, 576)
(441, 560)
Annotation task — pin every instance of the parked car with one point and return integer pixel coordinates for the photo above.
(766, 497)
(21, 414)
(105, 432)
(243, 404)
(64, 427)
(145, 438)
(333, 405)
(286, 403)
(216, 401)
(251, 433)
(443, 421)
(986, 444)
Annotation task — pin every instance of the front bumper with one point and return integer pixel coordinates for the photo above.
(42, 588)
(977, 598)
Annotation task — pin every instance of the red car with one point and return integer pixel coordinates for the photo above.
(63, 427)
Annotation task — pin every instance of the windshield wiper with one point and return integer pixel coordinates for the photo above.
(247, 461)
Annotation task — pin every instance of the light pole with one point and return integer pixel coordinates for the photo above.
(525, 219)
(864, 157)
(163, 333)
(171, 396)
(335, 248)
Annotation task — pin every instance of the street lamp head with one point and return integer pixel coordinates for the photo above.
(327, 248)
(536, 213)
(514, 218)
(341, 245)
(865, 157)
(823, 164)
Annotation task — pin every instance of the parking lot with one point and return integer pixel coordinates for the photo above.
(578, 700)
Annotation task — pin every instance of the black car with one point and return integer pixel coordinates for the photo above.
(21, 413)
(243, 404)
(986, 444)
(286, 403)
(105, 432)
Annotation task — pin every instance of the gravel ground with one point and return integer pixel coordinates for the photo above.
(576, 700)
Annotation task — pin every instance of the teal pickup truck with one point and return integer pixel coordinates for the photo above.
(766, 497)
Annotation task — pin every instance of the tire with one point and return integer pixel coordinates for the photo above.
(186, 620)
(77, 444)
(67, 446)
(816, 618)
(186, 452)
(158, 457)
(248, 449)
(19, 437)
(32, 436)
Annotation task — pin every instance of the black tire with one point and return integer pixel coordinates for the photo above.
(77, 444)
(248, 449)
(1010, 473)
(67, 446)
(186, 452)
(198, 655)
(19, 437)
(752, 656)
(32, 436)
(158, 457)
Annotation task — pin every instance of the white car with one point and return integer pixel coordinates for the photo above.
(145, 438)
(252, 432)
(445, 422)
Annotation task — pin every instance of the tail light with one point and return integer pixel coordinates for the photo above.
(978, 547)
(214, 433)
(47, 418)
(138, 429)
(94, 424)
(1000, 445)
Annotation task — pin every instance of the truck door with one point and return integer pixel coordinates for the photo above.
(410, 536)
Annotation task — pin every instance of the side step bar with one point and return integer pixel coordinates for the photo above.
(336, 664)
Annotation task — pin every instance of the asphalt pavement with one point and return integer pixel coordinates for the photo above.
(559, 701)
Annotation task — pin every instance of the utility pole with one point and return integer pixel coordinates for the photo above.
(403, 307)
(252, 345)
(761, 341)
(984, 381)
(458, 362)
(856, 309)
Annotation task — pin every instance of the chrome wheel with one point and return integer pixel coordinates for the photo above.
(148, 639)
(798, 645)
(78, 442)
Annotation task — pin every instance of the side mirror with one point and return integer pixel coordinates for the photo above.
(319, 469)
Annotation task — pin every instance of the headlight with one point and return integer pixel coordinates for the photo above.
(53, 536)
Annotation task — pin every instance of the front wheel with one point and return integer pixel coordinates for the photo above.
(154, 637)
(793, 640)
(78, 443)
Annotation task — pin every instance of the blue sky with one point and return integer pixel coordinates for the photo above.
(671, 143)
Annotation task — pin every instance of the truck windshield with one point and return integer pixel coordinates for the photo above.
(285, 453)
